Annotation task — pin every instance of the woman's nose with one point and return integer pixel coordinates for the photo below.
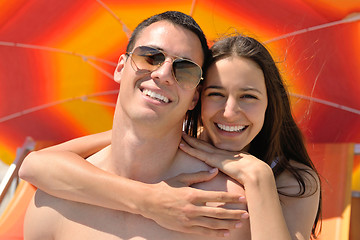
(231, 109)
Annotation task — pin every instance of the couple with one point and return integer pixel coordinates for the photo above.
(267, 187)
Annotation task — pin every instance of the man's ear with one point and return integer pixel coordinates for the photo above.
(119, 68)
(195, 99)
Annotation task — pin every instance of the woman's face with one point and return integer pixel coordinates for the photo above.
(234, 101)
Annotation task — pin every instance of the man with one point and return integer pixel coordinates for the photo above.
(158, 77)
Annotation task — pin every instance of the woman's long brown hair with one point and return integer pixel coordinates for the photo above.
(280, 139)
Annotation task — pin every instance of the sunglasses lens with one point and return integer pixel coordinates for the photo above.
(187, 73)
(147, 58)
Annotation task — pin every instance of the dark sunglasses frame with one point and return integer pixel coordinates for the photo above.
(149, 53)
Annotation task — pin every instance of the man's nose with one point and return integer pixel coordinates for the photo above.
(164, 74)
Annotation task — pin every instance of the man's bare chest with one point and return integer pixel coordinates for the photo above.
(82, 221)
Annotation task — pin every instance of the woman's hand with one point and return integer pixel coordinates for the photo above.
(176, 206)
(240, 166)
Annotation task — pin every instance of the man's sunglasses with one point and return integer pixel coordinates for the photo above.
(146, 59)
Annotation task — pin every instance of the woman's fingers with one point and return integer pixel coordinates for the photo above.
(198, 144)
(201, 197)
(217, 221)
(187, 179)
(214, 227)
(209, 158)
(230, 163)
(186, 209)
(221, 213)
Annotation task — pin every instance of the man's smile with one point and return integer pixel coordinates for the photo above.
(155, 96)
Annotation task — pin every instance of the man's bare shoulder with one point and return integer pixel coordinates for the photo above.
(41, 219)
(50, 217)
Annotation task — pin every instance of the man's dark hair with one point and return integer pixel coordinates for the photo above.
(173, 17)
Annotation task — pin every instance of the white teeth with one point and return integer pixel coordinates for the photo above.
(156, 96)
(230, 128)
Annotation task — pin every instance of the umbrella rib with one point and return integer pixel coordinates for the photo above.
(103, 71)
(193, 3)
(47, 105)
(101, 102)
(34, 109)
(51, 49)
(126, 30)
(328, 103)
(354, 18)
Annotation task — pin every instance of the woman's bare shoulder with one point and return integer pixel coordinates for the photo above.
(307, 183)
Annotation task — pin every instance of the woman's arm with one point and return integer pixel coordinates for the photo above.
(62, 172)
(290, 218)
(84, 146)
(45, 168)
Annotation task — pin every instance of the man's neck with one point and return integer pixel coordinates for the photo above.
(142, 153)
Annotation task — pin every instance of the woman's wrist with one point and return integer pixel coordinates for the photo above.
(138, 196)
(260, 176)
(147, 200)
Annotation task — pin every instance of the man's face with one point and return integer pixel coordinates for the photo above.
(155, 97)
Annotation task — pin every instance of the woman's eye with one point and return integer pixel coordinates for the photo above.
(248, 96)
(215, 94)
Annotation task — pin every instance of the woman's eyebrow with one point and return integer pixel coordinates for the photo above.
(213, 86)
(250, 89)
(245, 89)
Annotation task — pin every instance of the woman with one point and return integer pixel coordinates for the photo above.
(245, 114)
(231, 108)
